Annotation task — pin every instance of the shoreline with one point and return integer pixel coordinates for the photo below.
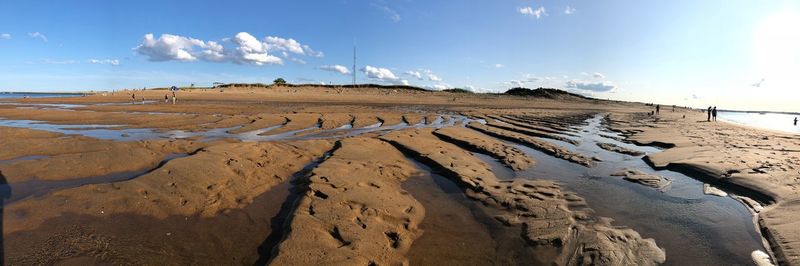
(682, 154)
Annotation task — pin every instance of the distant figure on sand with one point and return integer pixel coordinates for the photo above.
(133, 98)
(714, 113)
(709, 114)
(166, 98)
(173, 97)
(657, 108)
(795, 121)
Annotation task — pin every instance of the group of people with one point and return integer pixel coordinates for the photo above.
(712, 113)
(166, 98)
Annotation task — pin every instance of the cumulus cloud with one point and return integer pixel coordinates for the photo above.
(499, 65)
(38, 35)
(113, 62)
(251, 50)
(529, 11)
(599, 75)
(5, 36)
(433, 77)
(569, 10)
(242, 48)
(414, 73)
(591, 86)
(168, 47)
(382, 74)
(336, 68)
(379, 73)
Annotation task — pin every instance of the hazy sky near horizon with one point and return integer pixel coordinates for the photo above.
(736, 54)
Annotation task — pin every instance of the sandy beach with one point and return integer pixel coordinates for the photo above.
(377, 176)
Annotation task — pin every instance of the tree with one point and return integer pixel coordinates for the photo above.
(279, 81)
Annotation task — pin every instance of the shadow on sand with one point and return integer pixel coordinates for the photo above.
(5, 193)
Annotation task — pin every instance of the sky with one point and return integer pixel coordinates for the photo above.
(735, 54)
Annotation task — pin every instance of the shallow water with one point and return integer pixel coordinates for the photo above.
(773, 121)
(15, 95)
(693, 228)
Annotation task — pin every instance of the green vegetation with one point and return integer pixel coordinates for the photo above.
(457, 90)
(279, 81)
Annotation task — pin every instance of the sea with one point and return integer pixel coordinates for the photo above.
(8, 95)
(774, 121)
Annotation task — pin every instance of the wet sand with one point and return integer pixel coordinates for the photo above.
(385, 177)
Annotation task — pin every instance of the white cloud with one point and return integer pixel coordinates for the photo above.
(289, 45)
(252, 51)
(379, 73)
(383, 74)
(439, 87)
(38, 35)
(517, 83)
(5, 36)
(57, 62)
(414, 73)
(336, 68)
(529, 11)
(393, 15)
(433, 77)
(243, 48)
(569, 10)
(113, 62)
(499, 66)
(695, 96)
(599, 75)
(591, 86)
(168, 47)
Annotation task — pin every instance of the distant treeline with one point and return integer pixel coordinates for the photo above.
(262, 85)
(549, 93)
(543, 93)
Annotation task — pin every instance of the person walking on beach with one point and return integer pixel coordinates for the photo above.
(657, 108)
(709, 114)
(133, 98)
(173, 97)
(714, 113)
(166, 98)
(795, 121)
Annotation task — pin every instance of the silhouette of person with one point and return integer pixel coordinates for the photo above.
(657, 107)
(709, 114)
(714, 113)
(795, 121)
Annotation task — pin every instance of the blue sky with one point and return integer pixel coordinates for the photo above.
(737, 54)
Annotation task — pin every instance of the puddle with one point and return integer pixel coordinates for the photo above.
(694, 228)
(115, 132)
(16, 191)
